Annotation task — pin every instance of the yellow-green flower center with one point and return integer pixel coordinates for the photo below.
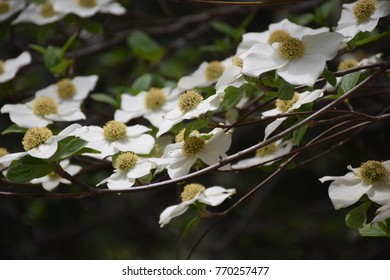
(373, 171)
(189, 100)
(180, 136)
(347, 64)
(191, 190)
(4, 7)
(266, 150)
(285, 105)
(364, 9)
(3, 152)
(53, 176)
(278, 36)
(237, 61)
(66, 89)
(214, 70)
(2, 67)
(87, 3)
(47, 10)
(114, 130)
(35, 136)
(193, 145)
(44, 105)
(154, 99)
(292, 48)
(125, 161)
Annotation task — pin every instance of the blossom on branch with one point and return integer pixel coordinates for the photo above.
(371, 178)
(9, 67)
(52, 180)
(88, 8)
(362, 15)
(298, 60)
(209, 148)
(287, 106)
(115, 136)
(152, 105)
(39, 14)
(10, 7)
(195, 194)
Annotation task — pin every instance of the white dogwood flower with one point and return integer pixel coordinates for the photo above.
(42, 111)
(207, 74)
(115, 136)
(276, 33)
(39, 14)
(52, 180)
(152, 105)
(195, 194)
(299, 61)
(265, 155)
(287, 106)
(128, 168)
(9, 67)
(39, 142)
(180, 157)
(75, 89)
(232, 76)
(371, 178)
(88, 8)
(190, 105)
(10, 7)
(362, 15)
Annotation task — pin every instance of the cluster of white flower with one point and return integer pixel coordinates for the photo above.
(50, 11)
(293, 53)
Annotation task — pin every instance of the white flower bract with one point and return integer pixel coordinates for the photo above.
(102, 6)
(212, 196)
(11, 66)
(348, 189)
(39, 14)
(14, 6)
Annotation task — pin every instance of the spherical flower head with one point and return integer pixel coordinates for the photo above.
(66, 89)
(125, 161)
(47, 10)
(286, 105)
(114, 130)
(364, 9)
(278, 36)
(373, 171)
(180, 135)
(189, 100)
(4, 7)
(44, 105)
(190, 191)
(35, 136)
(237, 61)
(154, 99)
(347, 64)
(214, 70)
(3, 152)
(193, 145)
(291, 48)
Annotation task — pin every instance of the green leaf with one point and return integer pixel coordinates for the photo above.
(38, 48)
(28, 168)
(67, 45)
(232, 96)
(50, 58)
(286, 91)
(190, 225)
(349, 82)
(234, 33)
(105, 98)
(357, 217)
(298, 134)
(145, 47)
(142, 83)
(68, 147)
(330, 77)
(375, 230)
(14, 129)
